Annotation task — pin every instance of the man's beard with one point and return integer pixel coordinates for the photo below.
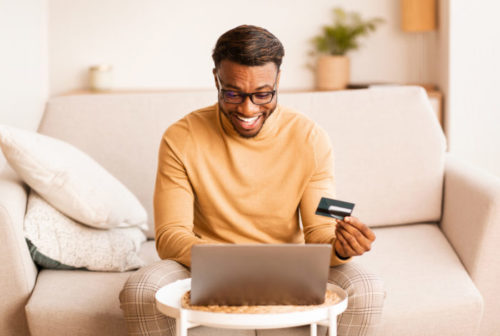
(246, 136)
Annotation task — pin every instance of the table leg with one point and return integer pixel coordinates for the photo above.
(314, 329)
(332, 328)
(181, 324)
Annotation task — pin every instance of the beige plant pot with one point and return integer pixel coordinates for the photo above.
(332, 72)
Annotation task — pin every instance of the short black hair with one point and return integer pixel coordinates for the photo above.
(248, 45)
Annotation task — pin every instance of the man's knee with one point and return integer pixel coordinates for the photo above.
(137, 298)
(141, 286)
(364, 288)
(366, 294)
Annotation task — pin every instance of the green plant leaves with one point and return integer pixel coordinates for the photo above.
(342, 36)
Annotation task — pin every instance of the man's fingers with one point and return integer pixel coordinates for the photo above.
(347, 251)
(355, 237)
(340, 249)
(351, 242)
(357, 224)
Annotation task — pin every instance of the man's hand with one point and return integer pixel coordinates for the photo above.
(353, 237)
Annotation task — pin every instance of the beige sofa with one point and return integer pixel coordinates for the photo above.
(437, 220)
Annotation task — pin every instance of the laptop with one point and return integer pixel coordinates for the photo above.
(259, 274)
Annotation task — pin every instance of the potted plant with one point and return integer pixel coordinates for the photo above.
(331, 46)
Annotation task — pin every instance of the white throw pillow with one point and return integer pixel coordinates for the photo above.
(70, 180)
(56, 241)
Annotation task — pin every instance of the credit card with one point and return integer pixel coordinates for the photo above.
(334, 208)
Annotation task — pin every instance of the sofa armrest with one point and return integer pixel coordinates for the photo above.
(18, 275)
(471, 222)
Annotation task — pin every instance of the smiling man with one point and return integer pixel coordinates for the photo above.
(243, 171)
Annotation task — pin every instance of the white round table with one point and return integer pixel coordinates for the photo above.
(168, 302)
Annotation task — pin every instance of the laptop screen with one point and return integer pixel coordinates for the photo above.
(260, 274)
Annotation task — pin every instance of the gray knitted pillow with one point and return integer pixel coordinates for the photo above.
(56, 241)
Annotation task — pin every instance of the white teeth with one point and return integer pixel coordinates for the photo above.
(248, 120)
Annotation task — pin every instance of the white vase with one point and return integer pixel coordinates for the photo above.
(101, 77)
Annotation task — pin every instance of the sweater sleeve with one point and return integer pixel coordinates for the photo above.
(174, 199)
(320, 229)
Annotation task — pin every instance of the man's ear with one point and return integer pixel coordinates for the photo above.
(214, 71)
(278, 80)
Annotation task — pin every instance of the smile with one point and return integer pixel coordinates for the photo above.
(248, 120)
(247, 124)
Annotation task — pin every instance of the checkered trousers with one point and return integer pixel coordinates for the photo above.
(362, 316)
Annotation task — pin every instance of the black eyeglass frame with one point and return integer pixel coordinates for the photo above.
(244, 95)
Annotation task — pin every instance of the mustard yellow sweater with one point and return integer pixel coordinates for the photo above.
(214, 186)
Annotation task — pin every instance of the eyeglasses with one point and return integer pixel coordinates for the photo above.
(237, 97)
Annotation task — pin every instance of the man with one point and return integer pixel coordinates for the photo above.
(242, 171)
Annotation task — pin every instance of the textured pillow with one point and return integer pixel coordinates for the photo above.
(56, 241)
(70, 180)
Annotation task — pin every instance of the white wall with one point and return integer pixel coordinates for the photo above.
(168, 43)
(23, 62)
(474, 82)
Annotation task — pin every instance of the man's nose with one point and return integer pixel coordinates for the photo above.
(248, 108)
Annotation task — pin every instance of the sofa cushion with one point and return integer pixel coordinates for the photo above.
(388, 147)
(76, 303)
(428, 290)
(56, 241)
(79, 302)
(70, 180)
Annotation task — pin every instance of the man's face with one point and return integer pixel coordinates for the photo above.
(235, 79)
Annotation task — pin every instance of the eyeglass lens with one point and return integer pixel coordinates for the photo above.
(257, 98)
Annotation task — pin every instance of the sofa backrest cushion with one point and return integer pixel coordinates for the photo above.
(389, 151)
(388, 145)
(122, 132)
